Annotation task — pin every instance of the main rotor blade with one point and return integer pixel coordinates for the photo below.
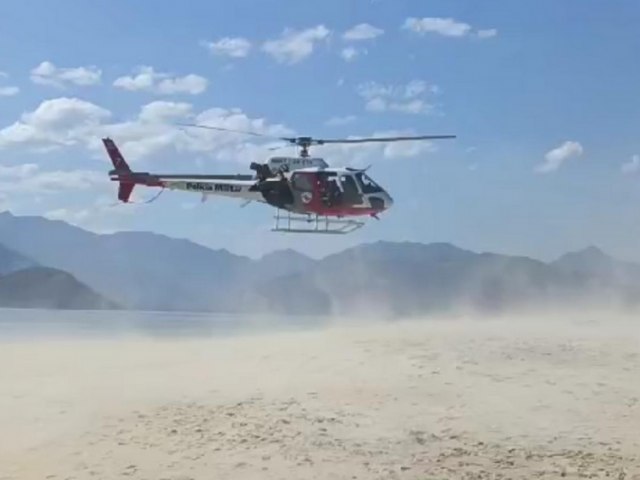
(309, 141)
(279, 147)
(386, 139)
(230, 130)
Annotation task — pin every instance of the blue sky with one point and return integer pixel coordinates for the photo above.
(541, 95)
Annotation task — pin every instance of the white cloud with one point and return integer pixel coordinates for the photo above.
(57, 122)
(412, 89)
(414, 107)
(147, 79)
(230, 146)
(9, 91)
(69, 215)
(409, 98)
(349, 54)
(48, 74)
(236, 47)
(442, 26)
(362, 31)
(408, 149)
(191, 84)
(163, 111)
(489, 33)
(294, 46)
(447, 27)
(340, 121)
(18, 171)
(559, 155)
(632, 166)
(376, 104)
(362, 154)
(70, 122)
(31, 179)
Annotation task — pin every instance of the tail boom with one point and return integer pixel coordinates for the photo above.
(235, 186)
(128, 180)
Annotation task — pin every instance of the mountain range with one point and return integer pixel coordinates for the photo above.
(26, 284)
(147, 271)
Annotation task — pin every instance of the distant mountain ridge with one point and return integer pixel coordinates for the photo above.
(25, 284)
(48, 288)
(148, 271)
(139, 270)
(594, 262)
(11, 261)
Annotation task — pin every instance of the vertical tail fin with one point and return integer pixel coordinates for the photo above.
(116, 157)
(121, 169)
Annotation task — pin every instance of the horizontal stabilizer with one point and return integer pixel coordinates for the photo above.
(124, 191)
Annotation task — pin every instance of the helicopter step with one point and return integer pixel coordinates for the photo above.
(297, 223)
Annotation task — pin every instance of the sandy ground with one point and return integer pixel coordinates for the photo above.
(437, 400)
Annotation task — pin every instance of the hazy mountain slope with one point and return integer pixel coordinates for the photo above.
(11, 261)
(603, 275)
(280, 263)
(40, 287)
(150, 271)
(594, 263)
(387, 278)
(137, 269)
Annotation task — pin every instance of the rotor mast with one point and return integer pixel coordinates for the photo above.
(304, 143)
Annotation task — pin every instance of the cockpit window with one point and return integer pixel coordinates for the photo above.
(367, 184)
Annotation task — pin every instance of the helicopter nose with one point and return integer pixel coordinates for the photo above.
(381, 202)
(388, 202)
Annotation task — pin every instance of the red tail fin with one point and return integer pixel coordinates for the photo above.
(124, 191)
(116, 157)
(121, 170)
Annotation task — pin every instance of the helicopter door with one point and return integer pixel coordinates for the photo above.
(305, 190)
(350, 190)
(330, 190)
(316, 191)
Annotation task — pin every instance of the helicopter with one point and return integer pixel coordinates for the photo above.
(309, 195)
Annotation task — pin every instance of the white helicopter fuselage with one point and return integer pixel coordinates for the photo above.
(236, 188)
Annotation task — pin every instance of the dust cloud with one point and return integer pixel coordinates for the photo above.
(458, 397)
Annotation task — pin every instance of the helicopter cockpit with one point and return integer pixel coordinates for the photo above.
(337, 188)
(366, 183)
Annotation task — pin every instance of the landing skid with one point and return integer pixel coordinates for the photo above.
(294, 223)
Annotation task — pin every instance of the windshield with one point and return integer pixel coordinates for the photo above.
(367, 184)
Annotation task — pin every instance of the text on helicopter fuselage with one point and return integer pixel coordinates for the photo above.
(218, 187)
